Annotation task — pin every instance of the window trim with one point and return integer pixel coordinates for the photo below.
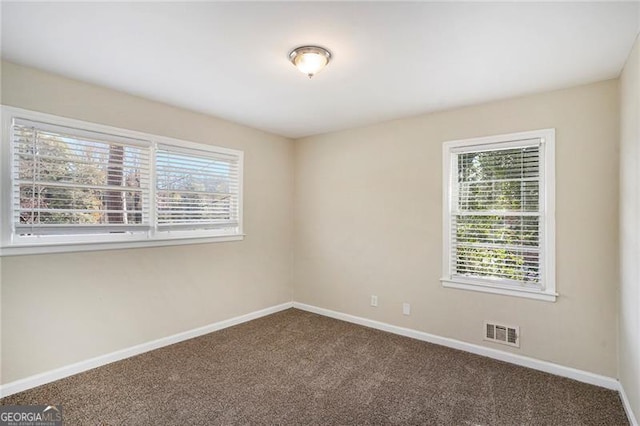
(94, 242)
(547, 234)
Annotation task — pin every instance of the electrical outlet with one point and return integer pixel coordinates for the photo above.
(374, 300)
(406, 309)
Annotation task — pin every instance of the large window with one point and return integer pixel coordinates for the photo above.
(74, 185)
(499, 214)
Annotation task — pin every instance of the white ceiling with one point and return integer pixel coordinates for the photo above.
(390, 60)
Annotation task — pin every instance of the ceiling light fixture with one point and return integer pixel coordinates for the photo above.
(310, 59)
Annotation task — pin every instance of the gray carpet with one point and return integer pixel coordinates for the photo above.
(295, 367)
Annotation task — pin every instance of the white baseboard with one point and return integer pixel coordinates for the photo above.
(627, 406)
(79, 367)
(547, 367)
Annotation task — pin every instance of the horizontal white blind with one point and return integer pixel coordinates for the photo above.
(496, 215)
(71, 181)
(196, 189)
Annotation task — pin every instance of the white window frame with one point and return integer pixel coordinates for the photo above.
(10, 244)
(547, 288)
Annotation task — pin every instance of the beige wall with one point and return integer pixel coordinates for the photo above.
(63, 308)
(368, 220)
(629, 356)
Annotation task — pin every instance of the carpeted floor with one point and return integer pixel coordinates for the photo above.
(295, 367)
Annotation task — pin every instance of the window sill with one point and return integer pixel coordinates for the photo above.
(119, 245)
(498, 289)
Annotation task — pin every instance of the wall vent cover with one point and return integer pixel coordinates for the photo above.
(500, 333)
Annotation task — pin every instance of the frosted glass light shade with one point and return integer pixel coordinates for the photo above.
(310, 59)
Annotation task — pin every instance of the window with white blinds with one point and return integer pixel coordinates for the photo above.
(499, 214)
(67, 182)
(71, 181)
(196, 189)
